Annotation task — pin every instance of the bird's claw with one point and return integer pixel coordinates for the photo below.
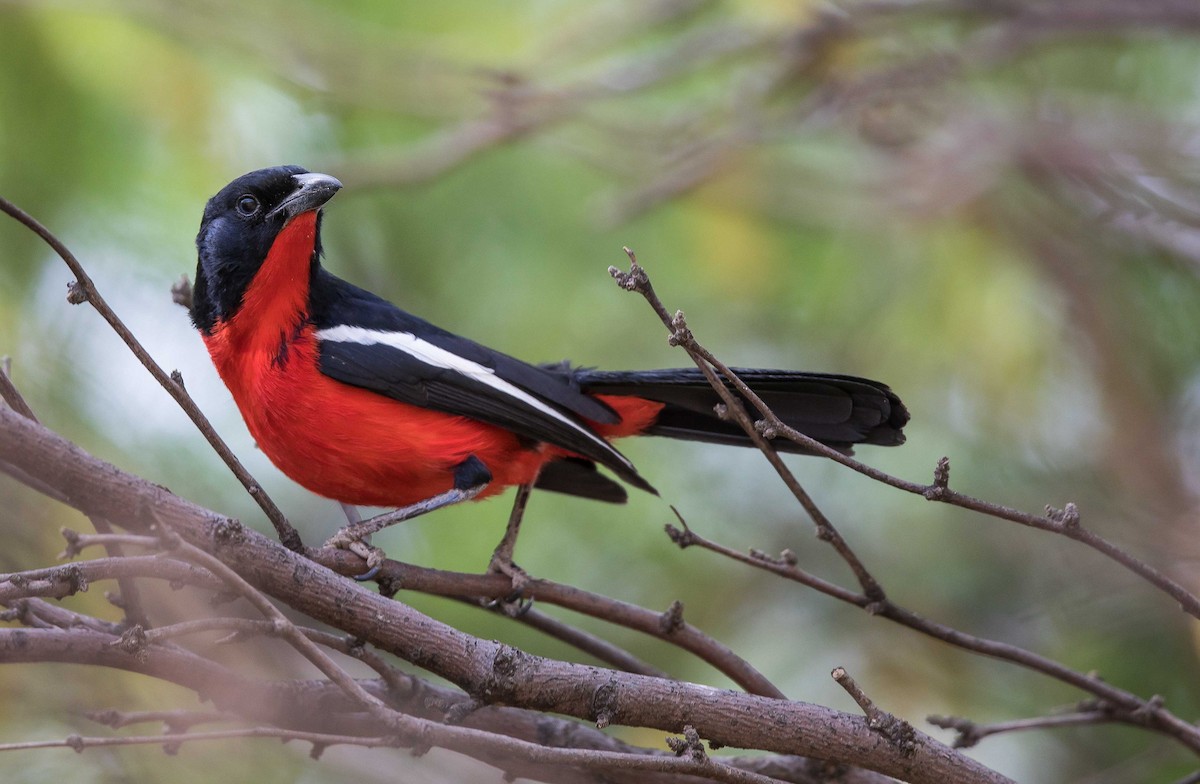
(374, 556)
(370, 574)
(515, 604)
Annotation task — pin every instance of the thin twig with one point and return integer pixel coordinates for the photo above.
(638, 281)
(59, 581)
(1065, 523)
(84, 290)
(41, 614)
(589, 759)
(970, 733)
(1133, 709)
(77, 542)
(1127, 707)
(11, 395)
(602, 649)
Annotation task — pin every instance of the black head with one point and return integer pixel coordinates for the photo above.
(239, 226)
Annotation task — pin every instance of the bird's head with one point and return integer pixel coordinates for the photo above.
(239, 227)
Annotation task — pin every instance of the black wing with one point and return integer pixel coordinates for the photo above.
(368, 342)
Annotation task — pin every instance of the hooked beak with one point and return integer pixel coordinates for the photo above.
(312, 191)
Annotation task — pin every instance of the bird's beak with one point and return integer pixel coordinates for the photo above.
(312, 191)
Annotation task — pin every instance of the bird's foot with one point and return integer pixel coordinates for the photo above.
(515, 604)
(346, 539)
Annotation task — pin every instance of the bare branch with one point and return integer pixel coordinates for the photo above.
(60, 581)
(473, 586)
(79, 743)
(486, 670)
(636, 280)
(970, 733)
(1134, 709)
(84, 290)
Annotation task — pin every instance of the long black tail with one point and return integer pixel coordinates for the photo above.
(839, 411)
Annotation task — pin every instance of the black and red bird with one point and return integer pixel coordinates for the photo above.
(364, 403)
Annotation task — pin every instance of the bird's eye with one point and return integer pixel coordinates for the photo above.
(247, 205)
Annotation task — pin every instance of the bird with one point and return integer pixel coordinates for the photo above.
(366, 404)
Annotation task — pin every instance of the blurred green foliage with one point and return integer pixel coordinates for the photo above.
(993, 213)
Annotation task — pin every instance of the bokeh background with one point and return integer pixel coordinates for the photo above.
(990, 206)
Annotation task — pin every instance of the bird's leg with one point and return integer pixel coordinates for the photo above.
(502, 556)
(471, 476)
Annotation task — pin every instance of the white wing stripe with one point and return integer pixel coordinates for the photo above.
(435, 356)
